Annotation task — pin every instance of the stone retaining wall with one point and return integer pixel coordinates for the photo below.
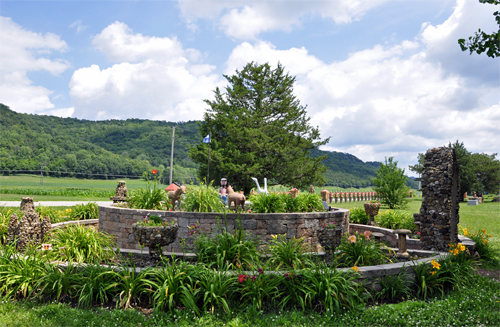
(118, 222)
(87, 222)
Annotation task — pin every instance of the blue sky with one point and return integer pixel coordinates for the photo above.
(380, 77)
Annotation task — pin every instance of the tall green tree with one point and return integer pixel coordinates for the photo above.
(484, 42)
(390, 184)
(419, 167)
(259, 129)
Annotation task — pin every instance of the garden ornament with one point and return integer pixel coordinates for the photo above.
(176, 195)
(236, 198)
(258, 186)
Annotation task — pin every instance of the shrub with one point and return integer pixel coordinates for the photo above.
(394, 286)
(150, 198)
(396, 220)
(360, 250)
(358, 216)
(269, 203)
(85, 211)
(202, 198)
(488, 254)
(225, 249)
(52, 213)
(288, 252)
(311, 202)
(81, 244)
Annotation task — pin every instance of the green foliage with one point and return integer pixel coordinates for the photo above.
(394, 286)
(360, 250)
(19, 273)
(57, 282)
(289, 252)
(69, 192)
(5, 214)
(85, 211)
(226, 249)
(428, 280)
(489, 255)
(394, 219)
(335, 290)
(200, 198)
(259, 287)
(216, 289)
(478, 171)
(483, 42)
(270, 203)
(282, 202)
(358, 215)
(97, 284)
(259, 129)
(170, 285)
(390, 184)
(150, 198)
(78, 243)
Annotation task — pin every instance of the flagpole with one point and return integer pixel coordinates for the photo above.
(208, 164)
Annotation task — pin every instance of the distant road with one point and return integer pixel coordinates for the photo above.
(53, 203)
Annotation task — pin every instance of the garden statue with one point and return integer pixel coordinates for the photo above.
(294, 192)
(371, 210)
(331, 197)
(324, 195)
(223, 190)
(121, 193)
(258, 186)
(29, 229)
(311, 189)
(236, 198)
(175, 196)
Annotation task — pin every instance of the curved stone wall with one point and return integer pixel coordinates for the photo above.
(118, 222)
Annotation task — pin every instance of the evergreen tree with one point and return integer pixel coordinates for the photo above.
(259, 129)
(390, 184)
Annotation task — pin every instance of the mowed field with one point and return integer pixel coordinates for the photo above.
(30, 182)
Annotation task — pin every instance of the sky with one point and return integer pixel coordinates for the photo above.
(380, 78)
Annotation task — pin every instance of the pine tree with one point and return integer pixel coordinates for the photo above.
(259, 129)
(390, 184)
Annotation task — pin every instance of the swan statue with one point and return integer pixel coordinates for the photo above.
(258, 186)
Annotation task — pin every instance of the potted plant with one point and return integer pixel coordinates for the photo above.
(371, 209)
(155, 233)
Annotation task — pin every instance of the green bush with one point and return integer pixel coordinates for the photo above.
(396, 220)
(290, 253)
(360, 250)
(358, 216)
(150, 198)
(226, 249)
(200, 198)
(80, 244)
(85, 211)
(268, 203)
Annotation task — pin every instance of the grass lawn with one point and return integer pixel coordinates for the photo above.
(33, 182)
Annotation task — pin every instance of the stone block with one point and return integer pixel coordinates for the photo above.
(311, 223)
(304, 232)
(249, 224)
(261, 224)
(291, 232)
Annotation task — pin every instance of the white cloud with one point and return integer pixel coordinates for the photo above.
(393, 100)
(78, 25)
(245, 20)
(154, 78)
(24, 51)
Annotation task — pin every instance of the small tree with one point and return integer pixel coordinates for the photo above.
(390, 184)
(259, 129)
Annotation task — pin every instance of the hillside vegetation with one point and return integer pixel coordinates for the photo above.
(114, 148)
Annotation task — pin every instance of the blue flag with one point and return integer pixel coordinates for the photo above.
(206, 139)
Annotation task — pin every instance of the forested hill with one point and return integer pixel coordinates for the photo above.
(129, 147)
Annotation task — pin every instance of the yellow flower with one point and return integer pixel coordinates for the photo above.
(483, 230)
(485, 242)
(435, 265)
(274, 236)
(461, 247)
(433, 272)
(465, 232)
(355, 268)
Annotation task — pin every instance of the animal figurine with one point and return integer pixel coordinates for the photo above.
(236, 198)
(175, 196)
(258, 186)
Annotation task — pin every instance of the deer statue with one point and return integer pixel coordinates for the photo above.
(237, 198)
(176, 195)
(258, 186)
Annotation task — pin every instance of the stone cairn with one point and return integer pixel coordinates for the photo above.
(121, 193)
(438, 215)
(29, 229)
